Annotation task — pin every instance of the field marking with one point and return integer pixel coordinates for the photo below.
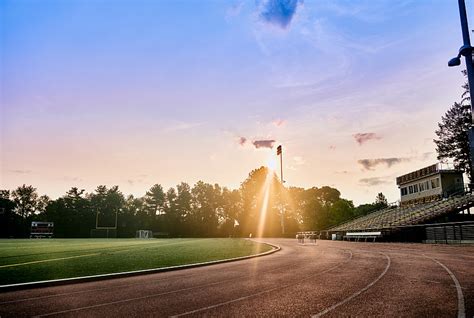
(129, 299)
(461, 307)
(259, 293)
(48, 260)
(274, 249)
(101, 247)
(356, 293)
(121, 286)
(149, 296)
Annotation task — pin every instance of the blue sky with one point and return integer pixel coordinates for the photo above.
(141, 92)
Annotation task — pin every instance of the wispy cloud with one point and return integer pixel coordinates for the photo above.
(375, 181)
(362, 138)
(268, 143)
(279, 122)
(72, 179)
(370, 164)
(279, 12)
(137, 179)
(20, 171)
(181, 125)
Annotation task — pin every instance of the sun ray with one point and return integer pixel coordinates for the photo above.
(266, 198)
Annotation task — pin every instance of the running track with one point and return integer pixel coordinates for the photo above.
(330, 279)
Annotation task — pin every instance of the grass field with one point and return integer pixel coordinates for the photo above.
(24, 260)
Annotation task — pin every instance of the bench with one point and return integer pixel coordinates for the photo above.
(362, 235)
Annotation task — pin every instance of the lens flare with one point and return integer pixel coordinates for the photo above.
(264, 209)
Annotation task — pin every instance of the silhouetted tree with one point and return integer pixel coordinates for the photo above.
(183, 207)
(155, 206)
(452, 132)
(10, 222)
(106, 204)
(26, 200)
(381, 200)
(453, 140)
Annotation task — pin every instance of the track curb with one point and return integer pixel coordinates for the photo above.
(65, 281)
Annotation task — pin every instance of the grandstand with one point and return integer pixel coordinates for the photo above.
(411, 222)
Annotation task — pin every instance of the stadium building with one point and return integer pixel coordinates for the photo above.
(434, 207)
(429, 184)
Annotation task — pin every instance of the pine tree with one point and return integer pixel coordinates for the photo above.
(453, 140)
(381, 200)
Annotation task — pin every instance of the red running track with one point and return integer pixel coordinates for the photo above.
(327, 279)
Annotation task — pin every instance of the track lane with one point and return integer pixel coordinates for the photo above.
(413, 286)
(256, 271)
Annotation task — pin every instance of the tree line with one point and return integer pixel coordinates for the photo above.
(260, 206)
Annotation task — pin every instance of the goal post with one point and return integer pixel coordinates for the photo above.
(144, 234)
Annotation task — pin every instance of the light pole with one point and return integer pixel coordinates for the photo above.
(466, 51)
(282, 209)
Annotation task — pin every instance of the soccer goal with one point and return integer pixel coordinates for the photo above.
(144, 234)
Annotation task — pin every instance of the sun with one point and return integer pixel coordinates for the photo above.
(271, 163)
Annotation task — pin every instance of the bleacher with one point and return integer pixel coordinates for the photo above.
(392, 218)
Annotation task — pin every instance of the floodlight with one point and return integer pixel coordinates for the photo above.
(455, 61)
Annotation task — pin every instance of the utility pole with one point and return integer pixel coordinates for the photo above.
(282, 210)
(466, 51)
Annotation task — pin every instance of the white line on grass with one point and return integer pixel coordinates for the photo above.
(357, 293)
(151, 295)
(48, 260)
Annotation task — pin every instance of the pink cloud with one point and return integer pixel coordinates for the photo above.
(362, 138)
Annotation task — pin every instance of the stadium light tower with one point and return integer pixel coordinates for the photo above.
(282, 209)
(466, 50)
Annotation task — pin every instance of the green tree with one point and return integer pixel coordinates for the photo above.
(203, 219)
(173, 218)
(453, 139)
(25, 199)
(131, 217)
(71, 214)
(341, 211)
(183, 207)
(231, 212)
(381, 200)
(106, 204)
(11, 224)
(261, 198)
(155, 199)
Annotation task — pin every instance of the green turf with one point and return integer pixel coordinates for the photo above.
(66, 258)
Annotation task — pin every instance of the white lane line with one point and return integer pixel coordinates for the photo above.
(357, 293)
(123, 285)
(47, 260)
(256, 294)
(143, 297)
(461, 307)
(128, 300)
(275, 248)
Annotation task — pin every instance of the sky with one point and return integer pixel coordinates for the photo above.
(138, 92)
